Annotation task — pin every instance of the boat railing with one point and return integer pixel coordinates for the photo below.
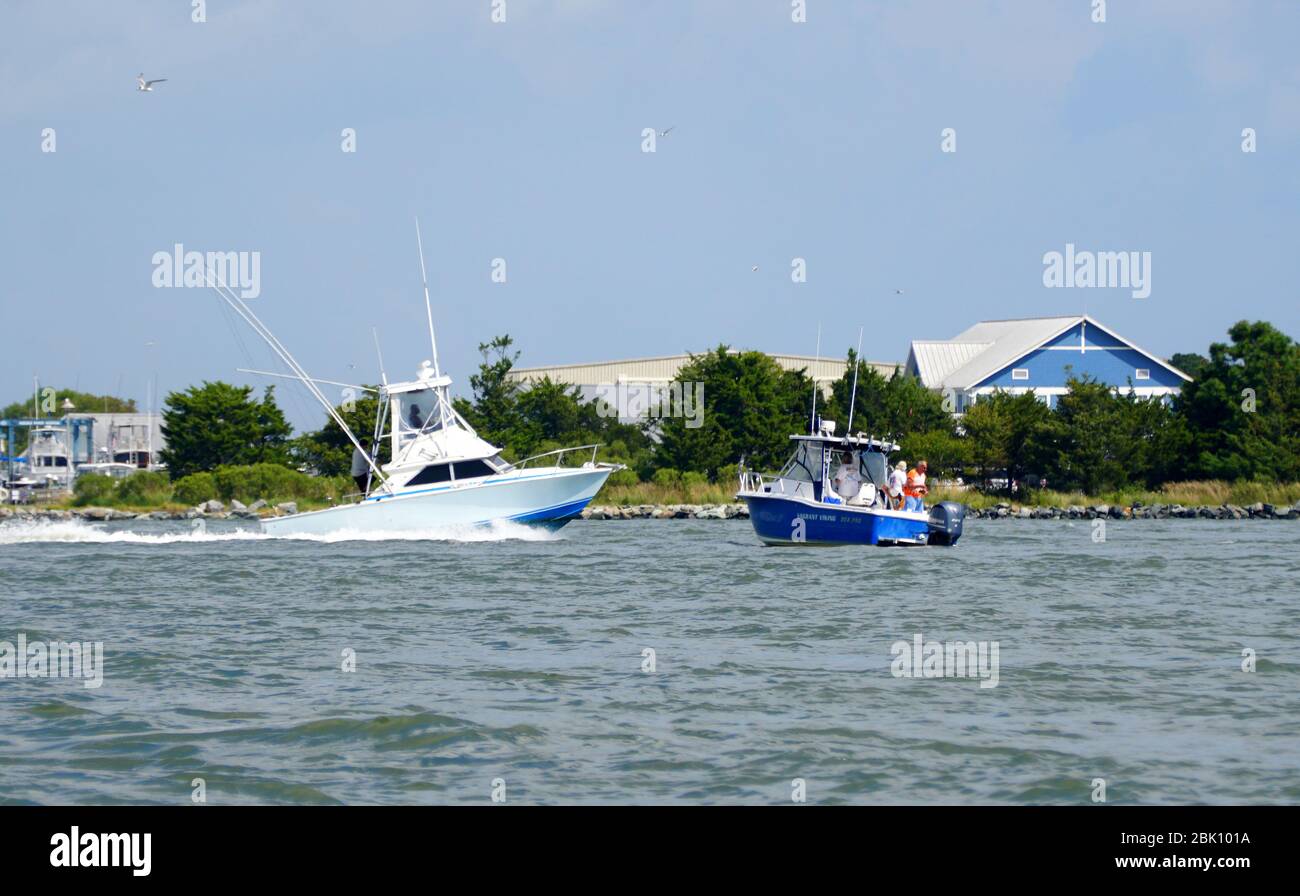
(753, 481)
(558, 454)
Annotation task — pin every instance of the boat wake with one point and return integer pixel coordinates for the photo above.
(78, 532)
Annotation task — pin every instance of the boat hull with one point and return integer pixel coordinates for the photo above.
(796, 521)
(547, 499)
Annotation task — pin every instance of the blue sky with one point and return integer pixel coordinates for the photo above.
(522, 141)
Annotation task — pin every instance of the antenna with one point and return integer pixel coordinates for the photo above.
(375, 332)
(428, 309)
(812, 424)
(853, 399)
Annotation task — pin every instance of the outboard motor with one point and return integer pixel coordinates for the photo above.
(945, 522)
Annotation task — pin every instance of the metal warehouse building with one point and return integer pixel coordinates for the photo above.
(634, 384)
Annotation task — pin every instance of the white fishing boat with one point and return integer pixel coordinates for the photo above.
(442, 474)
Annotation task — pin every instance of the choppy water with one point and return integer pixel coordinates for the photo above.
(517, 655)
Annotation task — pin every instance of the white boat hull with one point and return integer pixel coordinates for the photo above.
(549, 497)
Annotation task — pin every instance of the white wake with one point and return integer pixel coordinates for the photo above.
(81, 532)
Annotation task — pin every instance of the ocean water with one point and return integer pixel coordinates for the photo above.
(513, 661)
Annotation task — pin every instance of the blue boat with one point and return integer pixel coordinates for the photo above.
(800, 505)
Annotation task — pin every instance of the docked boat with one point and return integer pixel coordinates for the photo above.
(800, 505)
(441, 474)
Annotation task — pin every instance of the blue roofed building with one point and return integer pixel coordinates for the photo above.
(1039, 354)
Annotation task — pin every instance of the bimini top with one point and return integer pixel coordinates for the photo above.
(867, 443)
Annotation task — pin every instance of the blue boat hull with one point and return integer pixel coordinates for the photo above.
(787, 521)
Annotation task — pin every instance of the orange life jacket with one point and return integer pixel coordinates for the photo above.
(915, 482)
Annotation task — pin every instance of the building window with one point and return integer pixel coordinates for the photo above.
(1020, 373)
(1144, 373)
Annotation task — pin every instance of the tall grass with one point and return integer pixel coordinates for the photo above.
(627, 494)
(1209, 493)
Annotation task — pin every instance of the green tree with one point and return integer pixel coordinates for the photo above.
(751, 407)
(1243, 410)
(1006, 432)
(530, 418)
(1090, 442)
(328, 450)
(493, 412)
(947, 454)
(219, 424)
(1190, 363)
(897, 406)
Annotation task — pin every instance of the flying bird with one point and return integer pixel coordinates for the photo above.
(665, 133)
(754, 268)
(142, 84)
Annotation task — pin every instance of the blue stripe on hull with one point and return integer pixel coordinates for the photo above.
(782, 521)
(553, 517)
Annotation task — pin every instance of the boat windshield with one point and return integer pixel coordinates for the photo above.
(413, 412)
(805, 465)
(875, 467)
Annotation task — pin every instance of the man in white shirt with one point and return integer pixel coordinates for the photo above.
(847, 482)
(897, 479)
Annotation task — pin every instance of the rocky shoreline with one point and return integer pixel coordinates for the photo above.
(260, 509)
(211, 510)
(1259, 511)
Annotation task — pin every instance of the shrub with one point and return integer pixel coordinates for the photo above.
(667, 477)
(691, 479)
(145, 488)
(194, 488)
(622, 477)
(92, 488)
(270, 482)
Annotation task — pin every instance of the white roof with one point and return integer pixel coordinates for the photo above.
(990, 345)
(935, 360)
(665, 368)
(1009, 339)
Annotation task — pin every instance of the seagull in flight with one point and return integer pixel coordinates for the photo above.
(142, 84)
(666, 132)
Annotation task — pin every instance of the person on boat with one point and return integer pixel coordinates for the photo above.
(414, 418)
(360, 469)
(897, 481)
(847, 482)
(916, 489)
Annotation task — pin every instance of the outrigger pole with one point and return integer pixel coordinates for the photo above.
(428, 308)
(289, 376)
(853, 399)
(812, 424)
(433, 342)
(235, 302)
(383, 376)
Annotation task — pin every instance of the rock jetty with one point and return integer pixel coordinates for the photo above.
(216, 510)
